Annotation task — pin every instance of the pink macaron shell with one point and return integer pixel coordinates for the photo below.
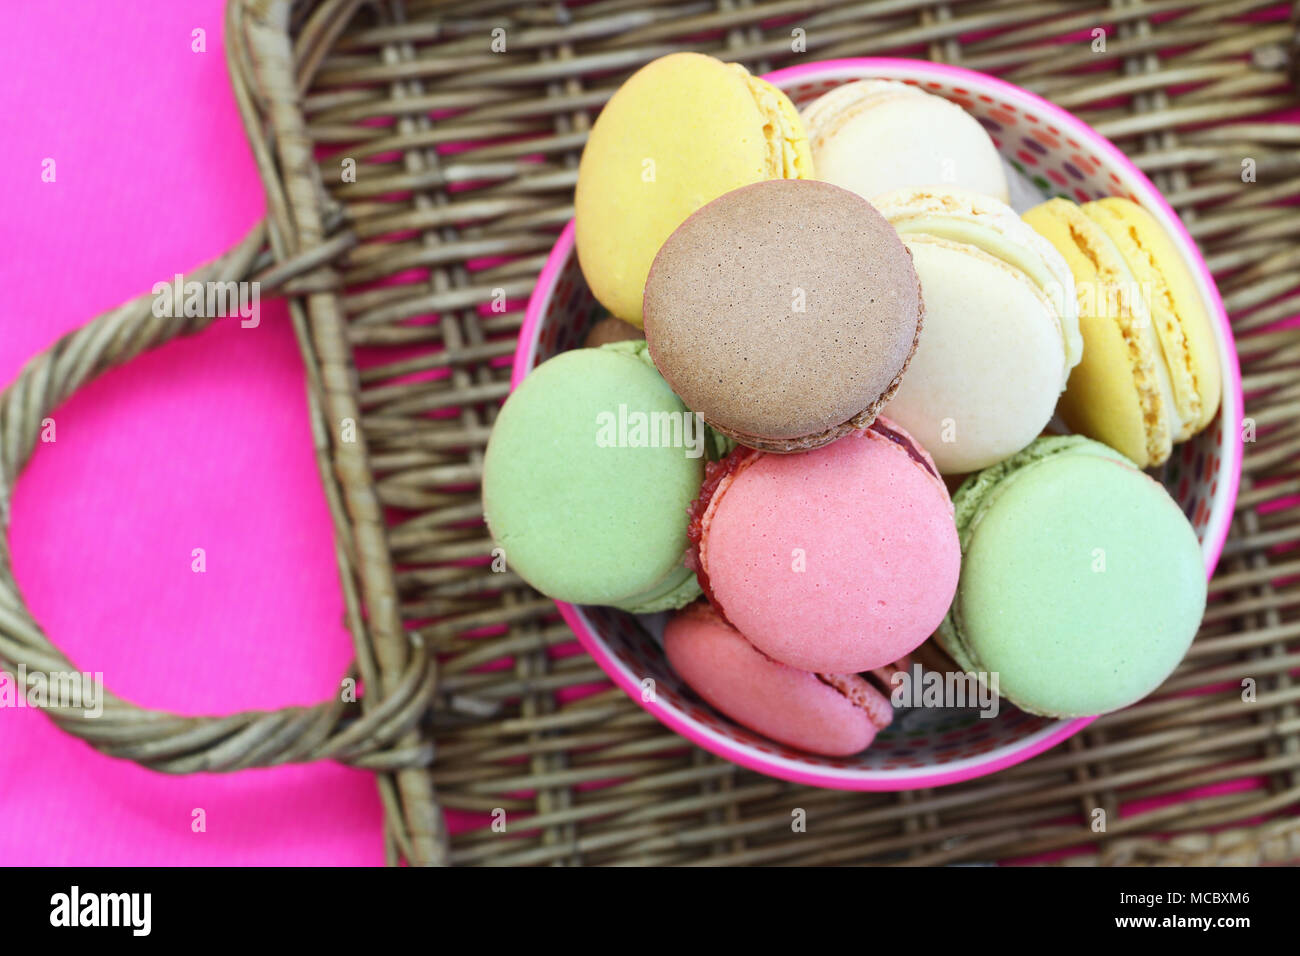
(839, 560)
(931, 470)
(790, 706)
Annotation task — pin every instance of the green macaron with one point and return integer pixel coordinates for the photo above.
(588, 473)
(1082, 583)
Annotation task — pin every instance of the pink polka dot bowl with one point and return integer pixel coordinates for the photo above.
(926, 746)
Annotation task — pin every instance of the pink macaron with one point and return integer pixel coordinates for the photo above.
(830, 714)
(836, 561)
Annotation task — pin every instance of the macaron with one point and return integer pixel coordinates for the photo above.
(1150, 373)
(1082, 583)
(682, 130)
(836, 561)
(1001, 327)
(589, 471)
(830, 714)
(610, 329)
(872, 136)
(784, 312)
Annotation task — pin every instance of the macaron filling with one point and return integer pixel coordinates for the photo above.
(1044, 295)
(994, 228)
(904, 442)
(817, 439)
(870, 691)
(789, 155)
(985, 238)
(1184, 403)
(1119, 283)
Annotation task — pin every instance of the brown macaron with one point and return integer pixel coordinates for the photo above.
(784, 312)
(610, 329)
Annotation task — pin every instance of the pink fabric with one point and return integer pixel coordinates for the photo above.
(204, 443)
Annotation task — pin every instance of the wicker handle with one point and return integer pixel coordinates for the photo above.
(333, 729)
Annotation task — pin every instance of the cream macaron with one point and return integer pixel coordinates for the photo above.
(876, 135)
(1001, 330)
(680, 132)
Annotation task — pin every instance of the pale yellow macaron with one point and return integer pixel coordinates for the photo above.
(1150, 373)
(683, 130)
(1001, 327)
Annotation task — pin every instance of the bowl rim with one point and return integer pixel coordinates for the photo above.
(1222, 503)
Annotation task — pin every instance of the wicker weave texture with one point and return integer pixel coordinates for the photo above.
(466, 161)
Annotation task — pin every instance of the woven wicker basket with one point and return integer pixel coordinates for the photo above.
(598, 779)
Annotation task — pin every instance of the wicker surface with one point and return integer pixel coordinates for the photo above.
(390, 281)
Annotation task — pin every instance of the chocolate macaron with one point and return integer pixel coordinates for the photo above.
(784, 312)
(610, 329)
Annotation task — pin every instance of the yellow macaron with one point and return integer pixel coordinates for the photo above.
(683, 130)
(1150, 373)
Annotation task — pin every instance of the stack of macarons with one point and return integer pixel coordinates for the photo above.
(818, 325)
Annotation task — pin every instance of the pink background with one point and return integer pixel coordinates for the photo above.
(203, 443)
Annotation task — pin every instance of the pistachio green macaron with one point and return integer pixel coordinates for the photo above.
(588, 473)
(1082, 582)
